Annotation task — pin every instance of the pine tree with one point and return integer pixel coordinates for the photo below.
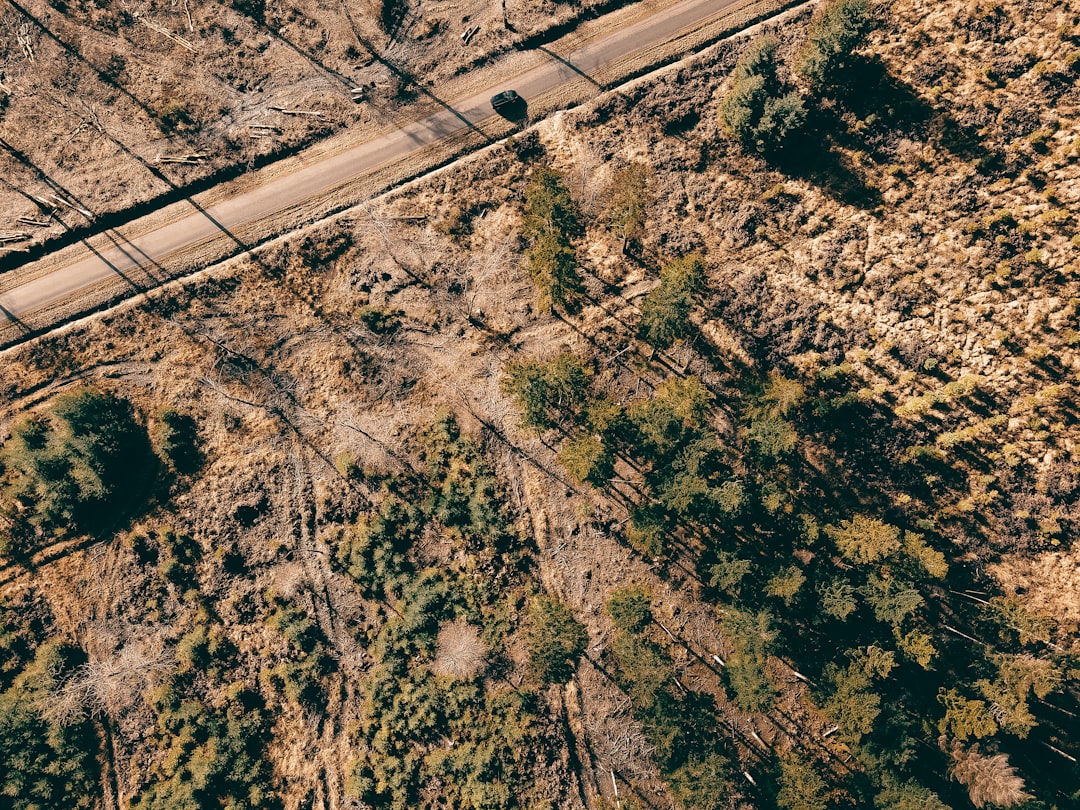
(832, 39)
(759, 111)
(547, 392)
(629, 201)
(665, 312)
(86, 463)
(555, 640)
(801, 787)
(550, 225)
(864, 539)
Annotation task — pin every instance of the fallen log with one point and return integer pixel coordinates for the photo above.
(286, 111)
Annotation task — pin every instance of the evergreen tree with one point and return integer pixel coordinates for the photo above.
(759, 111)
(831, 40)
(44, 763)
(550, 225)
(549, 208)
(752, 636)
(852, 702)
(864, 539)
(728, 572)
(665, 312)
(629, 201)
(588, 459)
(907, 796)
(85, 464)
(547, 392)
(553, 269)
(678, 410)
(801, 787)
(555, 640)
(965, 717)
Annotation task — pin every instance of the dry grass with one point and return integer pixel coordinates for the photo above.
(459, 651)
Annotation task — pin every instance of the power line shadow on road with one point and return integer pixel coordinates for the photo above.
(13, 318)
(567, 63)
(112, 266)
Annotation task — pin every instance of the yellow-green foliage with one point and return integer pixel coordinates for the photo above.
(555, 640)
(864, 539)
(45, 763)
(213, 755)
(83, 464)
(950, 392)
(550, 225)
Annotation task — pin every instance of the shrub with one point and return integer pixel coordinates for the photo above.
(86, 463)
(380, 320)
(214, 755)
(630, 608)
(646, 532)
(464, 493)
(555, 640)
(373, 551)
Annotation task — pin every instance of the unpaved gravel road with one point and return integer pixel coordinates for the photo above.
(150, 250)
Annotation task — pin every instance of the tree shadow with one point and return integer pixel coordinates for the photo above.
(885, 109)
(76, 54)
(869, 111)
(814, 159)
(407, 77)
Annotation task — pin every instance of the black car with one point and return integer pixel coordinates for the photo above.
(505, 100)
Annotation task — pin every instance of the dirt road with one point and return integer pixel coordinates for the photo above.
(139, 254)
